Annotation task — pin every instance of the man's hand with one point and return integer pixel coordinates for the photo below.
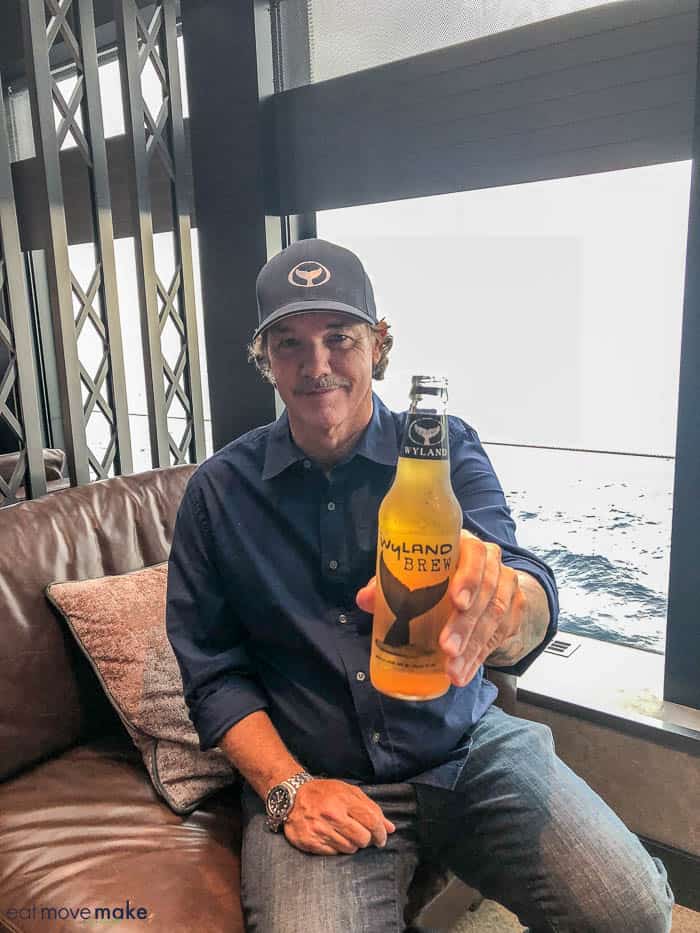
(331, 817)
(489, 610)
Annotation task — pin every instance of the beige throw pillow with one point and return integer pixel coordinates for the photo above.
(119, 622)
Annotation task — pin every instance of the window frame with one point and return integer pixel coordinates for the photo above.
(311, 172)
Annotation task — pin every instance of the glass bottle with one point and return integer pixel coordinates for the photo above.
(420, 519)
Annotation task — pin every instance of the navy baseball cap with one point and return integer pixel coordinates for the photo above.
(313, 275)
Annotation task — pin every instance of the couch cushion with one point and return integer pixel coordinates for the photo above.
(86, 829)
(49, 697)
(119, 622)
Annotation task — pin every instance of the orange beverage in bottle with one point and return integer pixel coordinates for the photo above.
(420, 519)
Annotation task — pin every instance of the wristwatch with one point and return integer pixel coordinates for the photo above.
(280, 800)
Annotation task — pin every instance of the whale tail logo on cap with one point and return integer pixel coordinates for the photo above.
(308, 274)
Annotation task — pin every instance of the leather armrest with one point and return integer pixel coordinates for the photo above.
(54, 463)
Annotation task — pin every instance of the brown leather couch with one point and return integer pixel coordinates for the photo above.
(80, 824)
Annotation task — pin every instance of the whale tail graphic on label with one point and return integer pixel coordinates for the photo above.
(406, 604)
(427, 434)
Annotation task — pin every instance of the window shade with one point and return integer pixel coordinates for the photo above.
(349, 35)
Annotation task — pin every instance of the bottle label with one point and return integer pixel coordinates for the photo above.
(425, 437)
(413, 577)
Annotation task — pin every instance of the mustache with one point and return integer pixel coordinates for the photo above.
(323, 383)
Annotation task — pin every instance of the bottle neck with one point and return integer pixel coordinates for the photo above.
(422, 473)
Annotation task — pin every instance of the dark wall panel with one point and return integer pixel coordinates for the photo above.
(224, 55)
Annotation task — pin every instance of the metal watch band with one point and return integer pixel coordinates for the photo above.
(292, 784)
(295, 782)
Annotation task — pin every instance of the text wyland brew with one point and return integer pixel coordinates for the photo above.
(433, 557)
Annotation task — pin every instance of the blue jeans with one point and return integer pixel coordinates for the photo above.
(519, 826)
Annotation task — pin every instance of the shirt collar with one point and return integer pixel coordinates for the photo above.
(378, 442)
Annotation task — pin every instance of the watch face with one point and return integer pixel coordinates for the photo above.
(279, 802)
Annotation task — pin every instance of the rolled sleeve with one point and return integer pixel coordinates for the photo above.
(218, 677)
(486, 515)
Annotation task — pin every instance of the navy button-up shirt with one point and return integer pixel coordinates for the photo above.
(268, 554)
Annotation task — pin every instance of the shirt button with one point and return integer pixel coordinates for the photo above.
(333, 564)
(360, 675)
(331, 506)
(342, 618)
(307, 464)
(376, 736)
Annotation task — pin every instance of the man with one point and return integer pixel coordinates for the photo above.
(269, 613)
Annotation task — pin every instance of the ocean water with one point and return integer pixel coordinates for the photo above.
(603, 524)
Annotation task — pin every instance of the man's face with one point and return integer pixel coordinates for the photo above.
(322, 365)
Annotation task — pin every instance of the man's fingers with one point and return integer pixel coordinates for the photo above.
(338, 841)
(372, 816)
(507, 625)
(373, 819)
(494, 615)
(468, 574)
(382, 831)
(458, 629)
(379, 835)
(324, 838)
(463, 669)
(356, 834)
(352, 835)
(314, 848)
(366, 596)
(499, 615)
(500, 620)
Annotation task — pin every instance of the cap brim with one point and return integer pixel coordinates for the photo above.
(302, 307)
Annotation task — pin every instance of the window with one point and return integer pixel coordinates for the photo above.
(82, 261)
(555, 310)
(90, 346)
(18, 110)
